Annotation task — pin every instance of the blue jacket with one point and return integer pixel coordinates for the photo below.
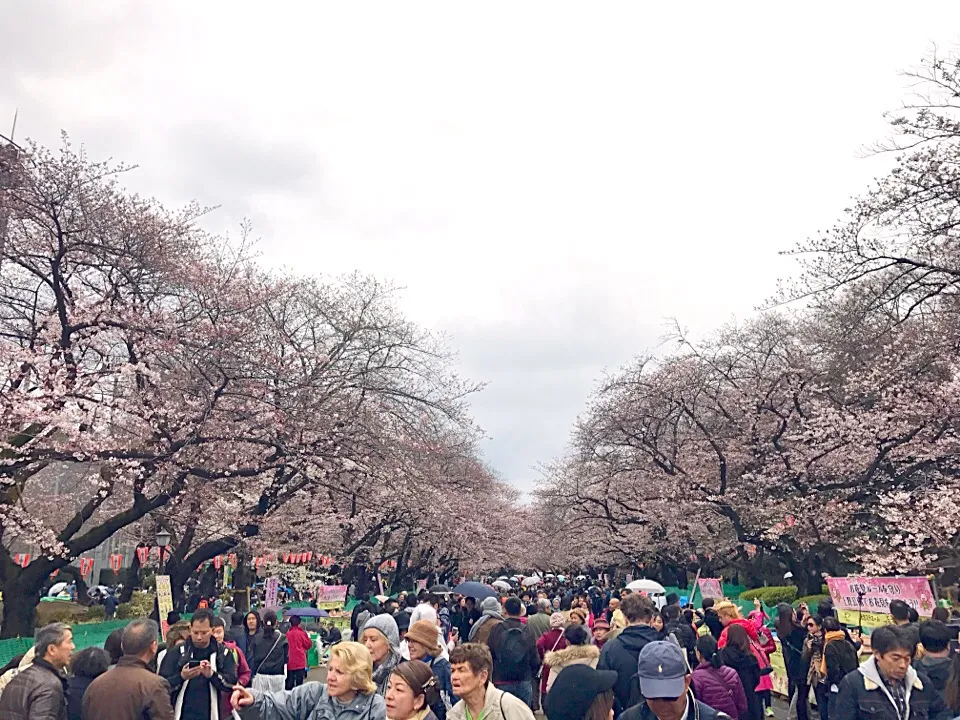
(441, 671)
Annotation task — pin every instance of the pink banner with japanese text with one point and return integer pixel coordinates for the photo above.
(710, 588)
(871, 597)
(331, 594)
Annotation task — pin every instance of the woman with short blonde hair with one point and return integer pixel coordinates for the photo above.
(350, 692)
(357, 664)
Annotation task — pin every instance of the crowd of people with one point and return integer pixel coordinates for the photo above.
(575, 654)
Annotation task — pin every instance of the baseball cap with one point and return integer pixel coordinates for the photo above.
(661, 669)
(574, 691)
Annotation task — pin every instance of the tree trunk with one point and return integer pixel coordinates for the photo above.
(130, 577)
(208, 582)
(21, 595)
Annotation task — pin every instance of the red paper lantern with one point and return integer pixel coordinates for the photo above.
(86, 566)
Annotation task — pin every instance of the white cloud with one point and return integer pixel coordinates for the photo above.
(550, 180)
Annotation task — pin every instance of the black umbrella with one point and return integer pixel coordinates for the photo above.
(475, 590)
(440, 590)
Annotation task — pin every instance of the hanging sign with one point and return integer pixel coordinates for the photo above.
(273, 588)
(164, 602)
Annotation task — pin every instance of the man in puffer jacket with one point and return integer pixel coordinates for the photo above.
(622, 653)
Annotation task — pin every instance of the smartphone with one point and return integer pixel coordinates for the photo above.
(193, 663)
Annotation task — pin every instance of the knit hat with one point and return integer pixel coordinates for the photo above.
(556, 620)
(386, 626)
(491, 605)
(363, 617)
(425, 633)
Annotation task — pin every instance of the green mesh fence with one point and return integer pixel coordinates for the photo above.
(84, 635)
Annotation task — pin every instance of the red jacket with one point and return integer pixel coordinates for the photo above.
(299, 643)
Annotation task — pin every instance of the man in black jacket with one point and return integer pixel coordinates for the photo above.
(887, 687)
(198, 670)
(513, 647)
(40, 691)
(621, 653)
(935, 637)
(683, 632)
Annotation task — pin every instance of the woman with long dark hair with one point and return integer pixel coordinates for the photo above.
(738, 654)
(791, 635)
(812, 661)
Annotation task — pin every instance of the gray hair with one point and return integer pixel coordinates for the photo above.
(138, 636)
(52, 634)
(543, 604)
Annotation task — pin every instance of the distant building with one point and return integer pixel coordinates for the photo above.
(69, 485)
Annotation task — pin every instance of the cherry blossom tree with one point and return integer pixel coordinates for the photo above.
(773, 437)
(177, 383)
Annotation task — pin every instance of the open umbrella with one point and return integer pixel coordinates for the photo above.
(501, 585)
(475, 590)
(306, 612)
(440, 590)
(650, 586)
(531, 581)
(56, 589)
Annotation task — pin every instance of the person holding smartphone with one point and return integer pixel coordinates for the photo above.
(198, 670)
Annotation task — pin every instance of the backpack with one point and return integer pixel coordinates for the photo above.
(512, 654)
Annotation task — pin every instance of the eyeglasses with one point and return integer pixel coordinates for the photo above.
(811, 625)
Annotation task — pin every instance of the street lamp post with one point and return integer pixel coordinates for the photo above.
(163, 542)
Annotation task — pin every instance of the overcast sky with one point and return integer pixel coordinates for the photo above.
(550, 181)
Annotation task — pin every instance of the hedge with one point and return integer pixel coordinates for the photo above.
(811, 600)
(772, 595)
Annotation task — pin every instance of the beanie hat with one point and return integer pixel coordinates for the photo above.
(601, 625)
(556, 620)
(425, 633)
(386, 626)
(491, 605)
